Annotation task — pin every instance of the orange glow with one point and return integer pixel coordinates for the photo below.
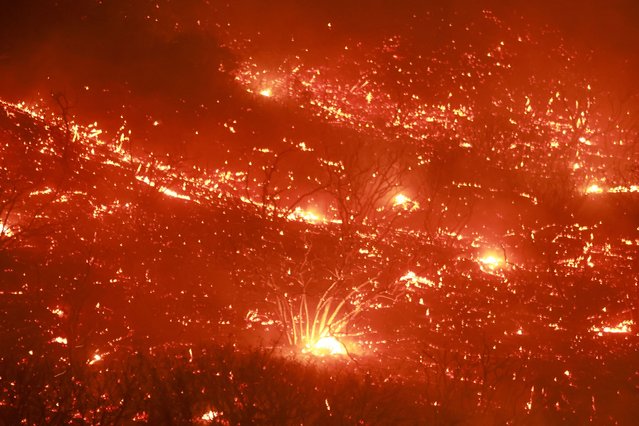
(57, 311)
(60, 340)
(210, 415)
(304, 215)
(491, 261)
(412, 279)
(174, 194)
(621, 328)
(5, 231)
(594, 189)
(327, 345)
(141, 417)
(253, 239)
(95, 358)
(401, 200)
(624, 189)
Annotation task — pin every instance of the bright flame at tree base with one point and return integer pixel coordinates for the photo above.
(327, 345)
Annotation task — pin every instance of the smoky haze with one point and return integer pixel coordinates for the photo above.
(147, 61)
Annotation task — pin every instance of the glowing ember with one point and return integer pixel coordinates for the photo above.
(369, 97)
(401, 200)
(412, 279)
(290, 209)
(60, 340)
(142, 416)
(594, 189)
(624, 189)
(5, 230)
(327, 345)
(303, 215)
(96, 358)
(622, 327)
(57, 311)
(210, 415)
(490, 262)
(174, 194)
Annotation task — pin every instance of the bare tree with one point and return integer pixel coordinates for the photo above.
(334, 274)
(362, 181)
(272, 186)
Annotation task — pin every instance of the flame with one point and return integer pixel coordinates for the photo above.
(304, 215)
(95, 358)
(210, 415)
(412, 279)
(594, 189)
(142, 416)
(622, 327)
(60, 340)
(624, 189)
(327, 345)
(266, 92)
(57, 311)
(5, 230)
(174, 194)
(491, 261)
(401, 200)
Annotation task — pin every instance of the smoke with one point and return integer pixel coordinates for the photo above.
(114, 59)
(166, 62)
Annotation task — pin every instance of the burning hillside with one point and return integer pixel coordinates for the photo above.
(433, 217)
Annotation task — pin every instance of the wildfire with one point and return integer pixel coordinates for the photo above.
(174, 194)
(5, 231)
(327, 345)
(57, 311)
(372, 92)
(142, 416)
(95, 358)
(60, 340)
(624, 189)
(623, 327)
(304, 215)
(412, 279)
(402, 201)
(210, 415)
(369, 97)
(491, 262)
(594, 189)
